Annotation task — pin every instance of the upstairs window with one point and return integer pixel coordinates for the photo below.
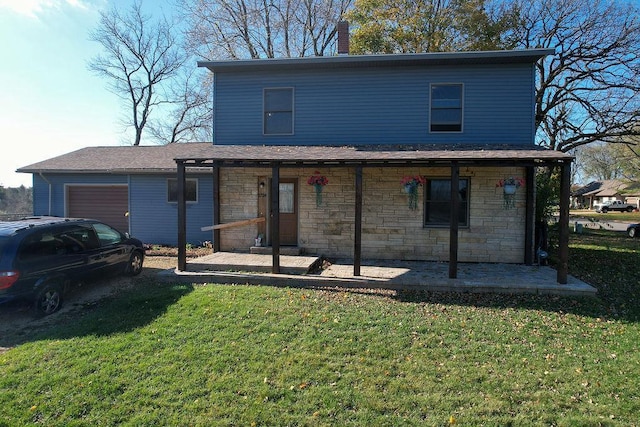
(437, 209)
(191, 190)
(278, 111)
(446, 108)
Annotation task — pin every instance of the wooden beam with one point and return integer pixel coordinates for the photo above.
(182, 217)
(530, 217)
(453, 221)
(233, 224)
(216, 207)
(563, 243)
(262, 206)
(357, 232)
(275, 218)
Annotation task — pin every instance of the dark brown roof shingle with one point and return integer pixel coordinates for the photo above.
(125, 159)
(162, 158)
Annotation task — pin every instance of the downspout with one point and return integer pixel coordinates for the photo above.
(50, 192)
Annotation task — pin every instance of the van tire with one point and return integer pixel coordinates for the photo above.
(135, 263)
(48, 299)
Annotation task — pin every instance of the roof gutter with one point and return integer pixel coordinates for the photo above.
(380, 60)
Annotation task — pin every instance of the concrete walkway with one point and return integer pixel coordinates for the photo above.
(302, 271)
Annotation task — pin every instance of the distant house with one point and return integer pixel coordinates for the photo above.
(595, 192)
(632, 194)
(316, 153)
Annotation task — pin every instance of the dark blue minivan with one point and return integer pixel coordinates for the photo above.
(40, 257)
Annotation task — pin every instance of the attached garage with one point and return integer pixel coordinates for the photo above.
(107, 203)
(107, 182)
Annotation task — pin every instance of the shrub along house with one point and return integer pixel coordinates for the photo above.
(377, 156)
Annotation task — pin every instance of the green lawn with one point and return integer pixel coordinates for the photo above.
(241, 355)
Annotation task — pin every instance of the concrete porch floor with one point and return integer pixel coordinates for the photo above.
(301, 271)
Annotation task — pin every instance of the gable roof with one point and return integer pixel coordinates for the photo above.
(162, 158)
(604, 188)
(522, 56)
(123, 159)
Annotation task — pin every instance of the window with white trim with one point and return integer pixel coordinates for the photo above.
(278, 111)
(191, 190)
(437, 202)
(446, 108)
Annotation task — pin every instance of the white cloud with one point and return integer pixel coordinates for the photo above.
(32, 8)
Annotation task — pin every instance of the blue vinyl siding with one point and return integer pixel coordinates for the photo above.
(379, 105)
(155, 221)
(151, 218)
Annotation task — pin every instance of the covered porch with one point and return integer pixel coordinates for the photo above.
(277, 158)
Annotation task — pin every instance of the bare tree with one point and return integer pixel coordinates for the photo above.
(191, 116)
(589, 91)
(250, 29)
(140, 56)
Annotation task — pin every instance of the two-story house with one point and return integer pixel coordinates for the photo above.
(316, 154)
(323, 148)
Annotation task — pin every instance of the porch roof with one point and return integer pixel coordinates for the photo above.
(358, 157)
(375, 155)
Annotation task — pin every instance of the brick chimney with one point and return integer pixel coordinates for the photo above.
(343, 38)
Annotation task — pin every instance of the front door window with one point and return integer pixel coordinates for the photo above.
(287, 197)
(288, 212)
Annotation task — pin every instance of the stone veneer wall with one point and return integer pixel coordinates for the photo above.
(390, 229)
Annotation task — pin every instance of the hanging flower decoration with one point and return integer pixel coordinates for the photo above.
(410, 185)
(509, 187)
(318, 181)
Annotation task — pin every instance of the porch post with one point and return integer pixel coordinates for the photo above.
(530, 218)
(275, 218)
(216, 207)
(357, 232)
(453, 220)
(182, 217)
(563, 244)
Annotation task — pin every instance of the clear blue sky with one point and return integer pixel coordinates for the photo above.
(50, 104)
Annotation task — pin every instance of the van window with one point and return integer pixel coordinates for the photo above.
(107, 235)
(58, 241)
(39, 245)
(79, 239)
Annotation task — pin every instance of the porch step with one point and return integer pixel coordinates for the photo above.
(234, 268)
(284, 250)
(261, 263)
